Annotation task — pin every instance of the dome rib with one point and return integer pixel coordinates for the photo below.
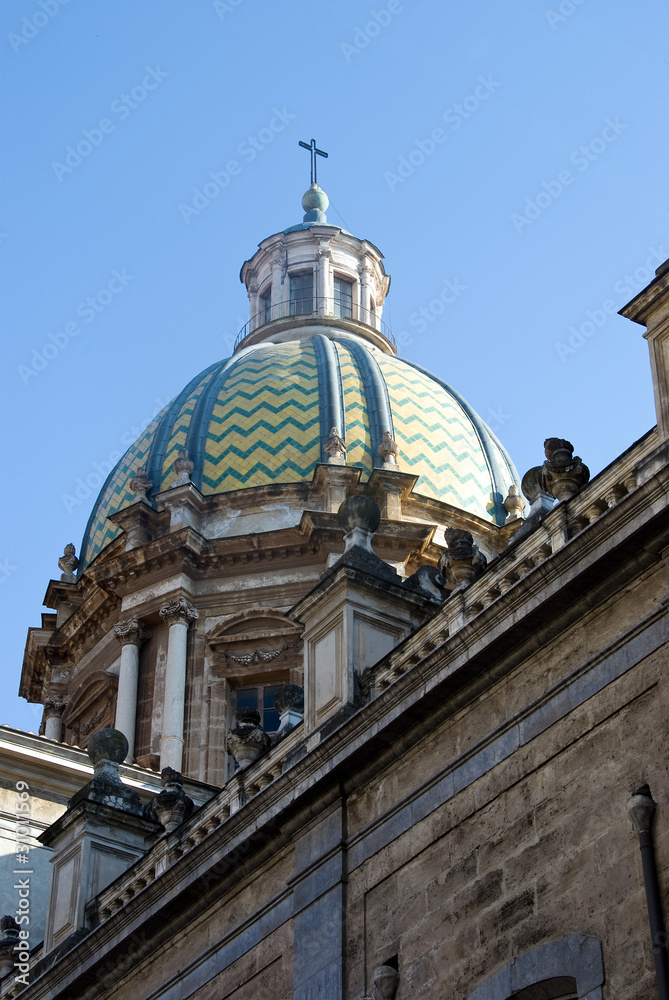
(376, 394)
(330, 392)
(486, 440)
(154, 465)
(198, 427)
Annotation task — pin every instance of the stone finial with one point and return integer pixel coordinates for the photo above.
(107, 749)
(289, 703)
(563, 473)
(359, 517)
(462, 562)
(248, 740)
(389, 451)
(427, 580)
(68, 563)
(641, 810)
(178, 610)
(514, 505)
(140, 483)
(335, 448)
(183, 467)
(172, 806)
(131, 631)
(386, 980)
(8, 942)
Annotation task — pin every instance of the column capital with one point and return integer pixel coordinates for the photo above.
(131, 631)
(55, 705)
(179, 611)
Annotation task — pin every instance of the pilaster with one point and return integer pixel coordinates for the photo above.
(650, 308)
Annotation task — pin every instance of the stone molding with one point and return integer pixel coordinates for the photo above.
(178, 611)
(131, 631)
(574, 956)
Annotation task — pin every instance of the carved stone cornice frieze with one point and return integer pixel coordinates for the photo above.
(131, 631)
(178, 612)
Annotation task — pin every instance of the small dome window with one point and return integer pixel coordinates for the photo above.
(343, 298)
(301, 293)
(266, 307)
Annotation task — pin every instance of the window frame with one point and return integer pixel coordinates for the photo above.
(340, 279)
(302, 298)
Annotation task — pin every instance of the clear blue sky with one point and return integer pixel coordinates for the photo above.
(515, 150)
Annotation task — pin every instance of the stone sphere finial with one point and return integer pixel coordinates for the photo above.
(359, 512)
(290, 696)
(315, 203)
(68, 563)
(107, 744)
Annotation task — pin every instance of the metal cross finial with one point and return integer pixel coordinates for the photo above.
(311, 146)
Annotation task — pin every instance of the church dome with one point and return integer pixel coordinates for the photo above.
(264, 415)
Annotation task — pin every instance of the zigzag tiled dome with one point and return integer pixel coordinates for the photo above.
(263, 416)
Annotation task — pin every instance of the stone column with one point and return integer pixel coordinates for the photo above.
(324, 295)
(131, 633)
(278, 306)
(254, 307)
(365, 295)
(54, 707)
(178, 614)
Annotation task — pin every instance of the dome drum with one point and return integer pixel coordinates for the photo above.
(317, 269)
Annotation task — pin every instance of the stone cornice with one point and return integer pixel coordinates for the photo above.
(641, 307)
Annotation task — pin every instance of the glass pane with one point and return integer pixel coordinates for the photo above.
(343, 297)
(269, 694)
(270, 722)
(247, 698)
(301, 294)
(266, 308)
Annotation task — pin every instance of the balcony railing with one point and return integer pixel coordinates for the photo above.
(323, 308)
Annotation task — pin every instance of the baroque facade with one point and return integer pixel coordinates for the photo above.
(395, 711)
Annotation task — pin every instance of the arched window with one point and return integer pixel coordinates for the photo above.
(559, 988)
(568, 969)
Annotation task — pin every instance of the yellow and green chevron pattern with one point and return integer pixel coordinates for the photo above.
(261, 424)
(436, 438)
(116, 494)
(265, 425)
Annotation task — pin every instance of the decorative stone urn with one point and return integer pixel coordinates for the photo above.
(172, 806)
(462, 562)
(248, 740)
(563, 473)
(9, 940)
(386, 980)
(107, 749)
